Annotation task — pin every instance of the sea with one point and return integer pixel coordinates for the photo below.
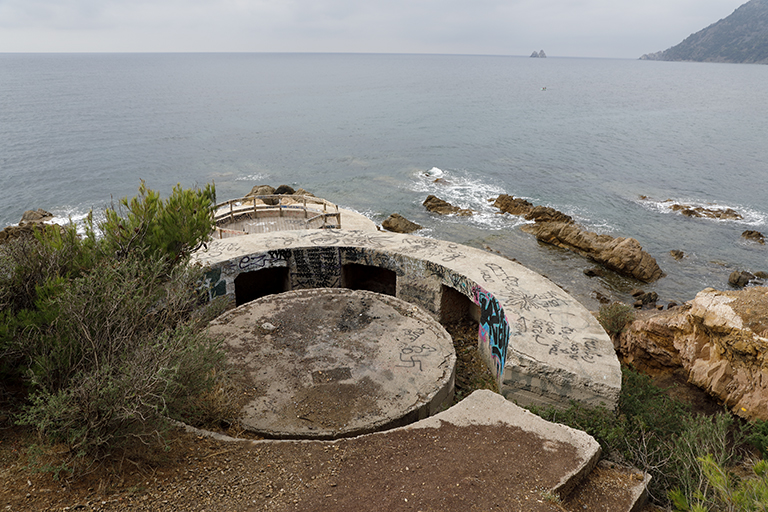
(611, 142)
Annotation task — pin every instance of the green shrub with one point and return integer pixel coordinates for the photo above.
(758, 437)
(105, 327)
(173, 229)
(727, 491)
(655, 433)
(615, 317)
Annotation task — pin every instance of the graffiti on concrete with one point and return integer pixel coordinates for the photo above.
(494, 330)
(586, 352)
(353, 238)
(259, 261)
(521, 300)
(373, 258)
(216, 250)
(559, 339)
(412, 353)
(495, 273)
(451, 278)
(213, 284)
(316, 267)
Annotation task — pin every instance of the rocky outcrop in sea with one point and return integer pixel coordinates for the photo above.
(622, 255)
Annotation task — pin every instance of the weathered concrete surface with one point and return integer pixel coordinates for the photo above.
(543, 346)
(484, 453)
(327, 363)
(484, 407)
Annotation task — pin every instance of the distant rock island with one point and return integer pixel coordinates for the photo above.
(539, 55)
(742, 37)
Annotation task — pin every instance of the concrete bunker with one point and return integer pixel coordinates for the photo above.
(542, 345)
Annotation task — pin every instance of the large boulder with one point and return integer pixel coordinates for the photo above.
(719, 339)
(399, 224)
(30, 219)
(753, 235)
(436, 205)
(622, 255)
(512, 205)
(261, 190)
(284, 190)
(38, 215)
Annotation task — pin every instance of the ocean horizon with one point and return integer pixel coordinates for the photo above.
(607, 141)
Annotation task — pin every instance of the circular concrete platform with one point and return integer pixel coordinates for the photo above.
(328, 363)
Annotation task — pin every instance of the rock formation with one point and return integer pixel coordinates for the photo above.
(755, 236)
(29, 220)
(261, 190)
(436, 205)
(539, 55)
(399, 224)
(719, 339)
(711, 213)
(622, 255)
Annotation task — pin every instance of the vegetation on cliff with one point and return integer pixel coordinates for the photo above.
(102, 329)
(742, 37)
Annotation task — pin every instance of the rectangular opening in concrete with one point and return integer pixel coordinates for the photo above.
(455, 306)
(366, 277)
(259, 283)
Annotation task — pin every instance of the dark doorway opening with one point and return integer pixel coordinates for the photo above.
(259, 283)
(366, 277)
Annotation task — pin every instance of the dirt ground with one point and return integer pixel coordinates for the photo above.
(448, 469)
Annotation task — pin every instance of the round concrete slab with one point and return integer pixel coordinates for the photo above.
(327, 363)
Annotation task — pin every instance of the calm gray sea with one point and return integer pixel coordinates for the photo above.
(589, 137)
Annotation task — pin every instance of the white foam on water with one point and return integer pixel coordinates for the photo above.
(750, 217)
(464, 191)
(252, 177)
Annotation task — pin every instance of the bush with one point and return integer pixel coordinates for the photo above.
(655, 433)
(730, 493)
(615, 317)
(105, 328)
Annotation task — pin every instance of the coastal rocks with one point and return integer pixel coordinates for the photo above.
(755, 236)
(38, 215)
(519, 206)
(399, 224)
(261, 190)
(539, 55)
(622, 255)
(29, 220)
(512, 205)
(741, 278)
(710, 213)
(677, 254)
(436, 205)
(284, 190)
(266, 190)
(644, 299)
(719, 339)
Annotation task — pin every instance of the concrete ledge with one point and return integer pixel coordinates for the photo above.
(485, 407)
(543, 346)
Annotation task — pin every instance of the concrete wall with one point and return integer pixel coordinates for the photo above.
(541, 344)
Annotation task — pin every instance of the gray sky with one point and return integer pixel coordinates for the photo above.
(573, 28)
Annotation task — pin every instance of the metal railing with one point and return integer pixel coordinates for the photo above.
(301, 212)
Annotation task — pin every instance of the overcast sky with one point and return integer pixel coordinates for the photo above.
(572, 28)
